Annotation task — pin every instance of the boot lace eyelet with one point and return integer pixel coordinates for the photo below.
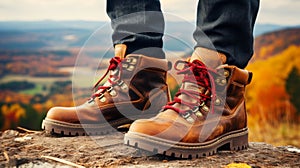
(90, 101)
(131, 61)
(123, 86)
(205, 108)
(217, 102)
(196, 111)
(113, 93)
(110, 89)
(103, 99)
(187, 116)
(226, 73)
(221, 81)
(130, 68)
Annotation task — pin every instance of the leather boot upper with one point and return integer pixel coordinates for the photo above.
(136, 86)
(209, 103)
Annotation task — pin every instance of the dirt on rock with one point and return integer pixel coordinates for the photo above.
(38, 149)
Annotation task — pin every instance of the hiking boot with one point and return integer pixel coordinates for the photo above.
(208, 114)
(136, 88)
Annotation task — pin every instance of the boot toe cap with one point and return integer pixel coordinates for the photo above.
(61, 114)
(164, 129)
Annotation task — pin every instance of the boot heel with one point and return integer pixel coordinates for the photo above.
(239, 143)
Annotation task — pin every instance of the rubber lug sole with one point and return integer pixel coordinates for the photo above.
(68, 129)
(235, 140)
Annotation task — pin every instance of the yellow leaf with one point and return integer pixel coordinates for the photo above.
(237, 165)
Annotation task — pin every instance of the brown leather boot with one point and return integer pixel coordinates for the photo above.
(207, 114)
(136, 88)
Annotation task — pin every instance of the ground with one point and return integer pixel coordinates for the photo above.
(25, 148)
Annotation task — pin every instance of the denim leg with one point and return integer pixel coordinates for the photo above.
(139, 24)
(229, 26)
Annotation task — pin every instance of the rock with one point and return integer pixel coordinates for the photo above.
(9, 134)
(109, 151)
(292, 149)
(39, 164)
(23, 139)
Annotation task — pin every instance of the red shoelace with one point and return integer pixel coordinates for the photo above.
(114, 63)
(194, 72)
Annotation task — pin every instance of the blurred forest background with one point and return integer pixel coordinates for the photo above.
(37, 60)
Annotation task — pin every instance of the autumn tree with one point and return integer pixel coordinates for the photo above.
(12, 114)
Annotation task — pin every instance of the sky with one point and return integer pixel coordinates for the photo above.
(282, 12)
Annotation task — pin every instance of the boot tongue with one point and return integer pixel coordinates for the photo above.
(188, 86)
(192, 87)
(120, 50)
(210, 58)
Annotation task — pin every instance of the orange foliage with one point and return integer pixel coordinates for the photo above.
(13, 97)
(65, 100)
(12, 114)
(38, 107)
(267, 98)
(273, 106)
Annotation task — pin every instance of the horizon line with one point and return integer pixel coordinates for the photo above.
(83, 20)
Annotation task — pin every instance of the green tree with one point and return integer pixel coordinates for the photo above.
(33, 119)
(17, 85)
(293, 88)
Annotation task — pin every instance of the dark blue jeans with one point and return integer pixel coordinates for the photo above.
(227, 23)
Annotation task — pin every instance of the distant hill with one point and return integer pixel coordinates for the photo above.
(48, 25)
(42, 39)
(273, 43)
(51, 35)
(63, 34)
(260, 29)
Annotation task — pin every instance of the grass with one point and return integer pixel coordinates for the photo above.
(279, 134)
(37, 90)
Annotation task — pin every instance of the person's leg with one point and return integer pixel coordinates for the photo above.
(136, 86)
(229, 26)
(208, 112)
(139, 24)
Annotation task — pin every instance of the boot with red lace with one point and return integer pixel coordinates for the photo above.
(208, 112)
(136, 88)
